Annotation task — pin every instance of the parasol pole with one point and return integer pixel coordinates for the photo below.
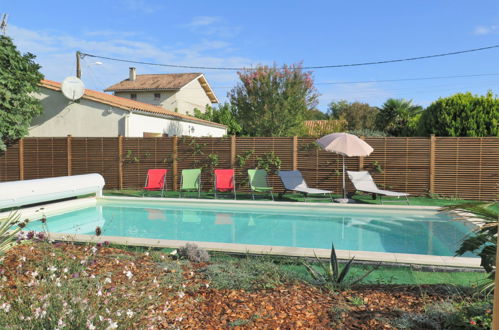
(344, 195)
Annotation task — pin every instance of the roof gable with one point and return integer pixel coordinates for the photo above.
(162, 82)
(129, 105)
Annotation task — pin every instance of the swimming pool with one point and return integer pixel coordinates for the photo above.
(397, 230)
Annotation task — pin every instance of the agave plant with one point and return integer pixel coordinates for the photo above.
(331, 273)
(6, 234)
(483, 240)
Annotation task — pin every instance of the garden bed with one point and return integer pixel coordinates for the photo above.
(85, 286)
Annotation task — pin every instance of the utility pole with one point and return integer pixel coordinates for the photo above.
(3, 25)
(78, 64)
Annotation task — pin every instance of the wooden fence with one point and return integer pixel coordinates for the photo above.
(451, 167)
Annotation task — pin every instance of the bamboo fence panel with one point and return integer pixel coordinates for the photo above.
(460, 167)
(9, 164)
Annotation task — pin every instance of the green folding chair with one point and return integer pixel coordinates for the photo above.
(258, 182)
(190, 180)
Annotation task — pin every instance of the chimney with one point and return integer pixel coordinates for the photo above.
(133, 74)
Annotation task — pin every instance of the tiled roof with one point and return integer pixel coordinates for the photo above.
(322, 127)
(154, 82)
(161, 82)
(129, 105)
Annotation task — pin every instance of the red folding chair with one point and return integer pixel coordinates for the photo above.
(155, 181)
(225, 181)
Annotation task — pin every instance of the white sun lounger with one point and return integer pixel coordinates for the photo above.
(363, 181)
(293, 181)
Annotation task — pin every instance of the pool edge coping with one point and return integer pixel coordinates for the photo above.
(397, 258)
(268, 203)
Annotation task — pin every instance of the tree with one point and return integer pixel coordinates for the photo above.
(398, 117)
(270, 101)
(315, 114)
(19, 78)
(224, 115)
(358, 115)
(462, 114)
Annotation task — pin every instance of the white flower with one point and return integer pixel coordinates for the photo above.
(61, 323)
(129, 313)
(94, 249)
(147, 253)
(90, 325)
(99, 293)
(207, 285)
(118, 313)
(58, 283)
(92, 276)
(52, 268)
(34, 274)
(65, 270)
(107, 280)
(128, 274)
(22, 258)
(5, 307)
(181, 294)
(112, 325)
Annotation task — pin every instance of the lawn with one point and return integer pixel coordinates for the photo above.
(363, 199)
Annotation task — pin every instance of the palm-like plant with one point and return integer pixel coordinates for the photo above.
(6, 234)
(483, 240)
(398, 117)
(331, 274)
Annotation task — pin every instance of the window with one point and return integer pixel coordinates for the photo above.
(133, 96)
(157, 96)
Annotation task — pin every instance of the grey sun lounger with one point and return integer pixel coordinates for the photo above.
(293, 181)
(363, 181)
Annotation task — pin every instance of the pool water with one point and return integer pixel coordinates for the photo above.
(363, 229)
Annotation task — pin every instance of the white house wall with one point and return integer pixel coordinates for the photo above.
(192, 96)
(138, 124)
(84, 118)
(167, 99)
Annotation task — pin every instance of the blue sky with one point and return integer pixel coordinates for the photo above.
(245, 33)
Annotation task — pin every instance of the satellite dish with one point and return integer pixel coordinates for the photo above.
(73, 88)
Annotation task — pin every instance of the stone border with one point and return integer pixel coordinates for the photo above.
(395, 258)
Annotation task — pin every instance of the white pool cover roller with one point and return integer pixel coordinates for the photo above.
(18, 193)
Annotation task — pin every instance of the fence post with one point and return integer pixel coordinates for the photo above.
(233, 151)
(174, 162)
(431, 189)
(21, 159)
(295, 153)
(120, 162)
(361, 158)
(69, 154)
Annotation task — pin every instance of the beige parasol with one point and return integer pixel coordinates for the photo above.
(346, 145)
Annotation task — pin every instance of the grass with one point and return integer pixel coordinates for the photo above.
(284, 268)
(360, 198)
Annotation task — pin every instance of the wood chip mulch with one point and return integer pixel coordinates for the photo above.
(200, 306)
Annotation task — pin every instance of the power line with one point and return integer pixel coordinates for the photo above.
(304, 68)
(386, 80)
(406, 79)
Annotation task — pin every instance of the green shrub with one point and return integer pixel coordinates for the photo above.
(462, 114)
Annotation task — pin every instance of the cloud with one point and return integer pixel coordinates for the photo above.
(55, 52)
(211, 26)
(483, 30)
(370, 93)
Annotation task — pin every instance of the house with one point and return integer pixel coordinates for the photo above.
(99, 114)
(179, 92)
